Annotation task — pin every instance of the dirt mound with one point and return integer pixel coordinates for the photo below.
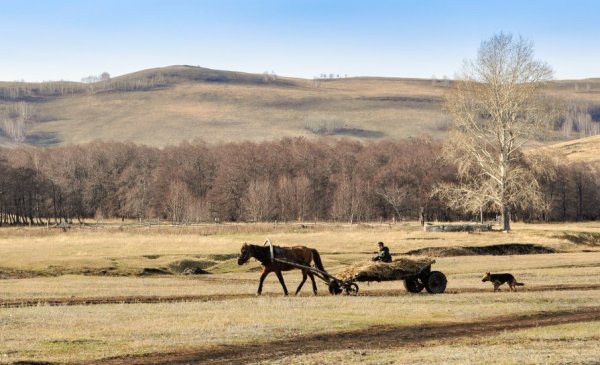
(495, 250)
(582, 238)
(380, 271)
(53, 270)
(154, 271)
(9, 273)
(190, 267)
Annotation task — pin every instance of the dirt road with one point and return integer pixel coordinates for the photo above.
(68, 301)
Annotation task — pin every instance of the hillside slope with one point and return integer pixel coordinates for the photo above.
(580, 150)
(167, 105)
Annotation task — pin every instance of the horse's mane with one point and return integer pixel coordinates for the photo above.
(262, 252)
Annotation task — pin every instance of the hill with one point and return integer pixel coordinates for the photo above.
(167, 105)
(580, 150)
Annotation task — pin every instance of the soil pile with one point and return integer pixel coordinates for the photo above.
(190, 267)
(495, 250)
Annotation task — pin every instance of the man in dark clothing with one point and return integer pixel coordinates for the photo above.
(384, 253)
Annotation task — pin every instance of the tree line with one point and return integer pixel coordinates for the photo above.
(293, 179)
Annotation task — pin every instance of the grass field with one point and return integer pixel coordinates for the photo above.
(78, 297)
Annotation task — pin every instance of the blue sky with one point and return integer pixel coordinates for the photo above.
(53, 40)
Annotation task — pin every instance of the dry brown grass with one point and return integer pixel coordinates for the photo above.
(127, 252)
(225, 112)
(562, 344)
(84, 332)
(247, 109)
(76, 333)
(580, 150)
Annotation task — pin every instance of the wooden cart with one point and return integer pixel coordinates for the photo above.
(414, 282)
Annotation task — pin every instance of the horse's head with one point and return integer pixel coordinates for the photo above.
(245, 254)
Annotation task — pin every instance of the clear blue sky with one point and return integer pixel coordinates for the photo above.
(53, 40)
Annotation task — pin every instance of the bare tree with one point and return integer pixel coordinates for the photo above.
(346, 203)
(90, 79)
(496, 111)
(177, 207)
(294, 196)
(396, 196)
(257, 201)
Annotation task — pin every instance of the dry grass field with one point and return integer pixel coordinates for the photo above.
(580, 150)
(82, 296)
(223, 106)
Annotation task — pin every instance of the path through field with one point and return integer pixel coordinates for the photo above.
(137, 299)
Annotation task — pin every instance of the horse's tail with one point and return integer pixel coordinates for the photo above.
(317, 259)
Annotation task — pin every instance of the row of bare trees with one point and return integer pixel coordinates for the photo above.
(579, 119)
(30, 91)
(290, 179)
(22, 91)
(15, 119)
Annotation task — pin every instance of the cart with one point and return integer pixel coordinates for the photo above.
(414, 282)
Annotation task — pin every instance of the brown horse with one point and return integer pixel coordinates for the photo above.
(298, 254)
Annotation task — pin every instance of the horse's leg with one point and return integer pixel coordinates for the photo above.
(312, 278)
(262, 279)
(304, 275)
(280, 277)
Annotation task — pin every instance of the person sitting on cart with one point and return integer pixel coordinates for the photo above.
(384, 253)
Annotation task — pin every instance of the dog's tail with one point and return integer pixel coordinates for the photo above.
(519, 284)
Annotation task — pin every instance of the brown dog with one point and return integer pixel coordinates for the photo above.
(499, 279)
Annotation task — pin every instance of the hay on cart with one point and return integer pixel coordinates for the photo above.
(398, 269)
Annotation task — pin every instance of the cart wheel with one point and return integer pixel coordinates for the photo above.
(436, 282)
(413, 285)
(351, 289)
(334, 288)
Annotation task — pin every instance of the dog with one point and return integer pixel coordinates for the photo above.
(499, 279)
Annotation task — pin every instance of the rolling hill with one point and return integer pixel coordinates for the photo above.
(580, 150)
(168, 105)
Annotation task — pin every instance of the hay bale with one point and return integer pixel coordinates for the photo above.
(382, 271)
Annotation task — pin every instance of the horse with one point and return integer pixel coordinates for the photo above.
(298, 254)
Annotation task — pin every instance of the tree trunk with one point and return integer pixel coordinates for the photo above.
(564, 204)
(579, 200)
(504, 167)
(505, 219)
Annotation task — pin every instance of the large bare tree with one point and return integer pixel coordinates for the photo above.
(496, 110)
